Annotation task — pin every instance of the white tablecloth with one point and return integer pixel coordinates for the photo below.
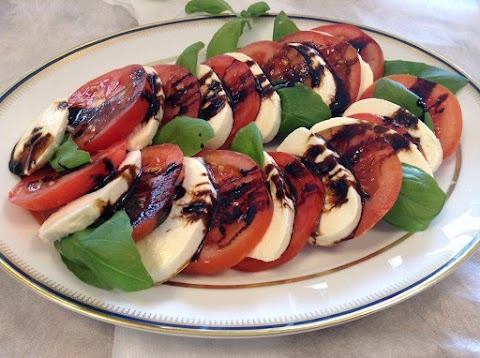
(443, 321)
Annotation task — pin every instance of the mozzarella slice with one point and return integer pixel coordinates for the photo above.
(143, 133)
(41, 140)
(279, 233)
(366, 78)
(428, 142)
(406, 151)
(270, 114)
(214, 97)
(323, 80)
(169, 248)
(84, 211)
(342, 209)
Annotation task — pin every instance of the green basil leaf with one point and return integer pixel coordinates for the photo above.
(256, 10)
(397, 93)
(69, 156)
(301, 107)
(435, 74)
(190, 134)
(283, 26)
(248, 140)
(214, 7)
(106, 256)
(419, 202)
(188, 59)
(428, 120)
(226, 38)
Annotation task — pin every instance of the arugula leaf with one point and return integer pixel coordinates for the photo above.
(69, 156)
(301, 107)
(435, 74)
(248, 140)
(419, 202)
(214, 7)
(283, 26)
(255, 10)
(190, 134)
(226, 38)
(188, 59)
(106, 256)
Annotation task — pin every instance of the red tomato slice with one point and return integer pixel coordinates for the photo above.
(240, 85)
(244, 211)
(442, 105)
(375, 165)
(308, 193)
(342, 59)
(282, 64)
(366, 46)
(46, 189)
(182, 92)
(150, 202)
(107, 109)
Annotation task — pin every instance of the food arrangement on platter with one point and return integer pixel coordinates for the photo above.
(146, 172)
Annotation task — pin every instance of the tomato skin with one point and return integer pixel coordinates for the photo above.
(281, 64)
(243, 212)
(182, 92)
(241, 87)
(366, 46)
(309, 194)
(442, 105)
(342, 60)
(106, 109)
(375, 165)
(52, 190)
(149, 204)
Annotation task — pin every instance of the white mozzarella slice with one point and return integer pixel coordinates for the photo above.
(279, 233)
(213, 94)
(366, 78)
(41, 139)
(428, 142)
(340, 216)
(408, 155)
(169, 248)
(323, 80)
(270, 113)
(142, 135)
(84, 211)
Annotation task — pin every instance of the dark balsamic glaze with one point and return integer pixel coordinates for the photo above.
(32, 150)
(262, 84)
(214, 99)
(316, 70)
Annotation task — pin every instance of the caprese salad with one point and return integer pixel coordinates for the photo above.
(146, 172)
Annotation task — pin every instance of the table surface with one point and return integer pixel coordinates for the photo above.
(442, 321)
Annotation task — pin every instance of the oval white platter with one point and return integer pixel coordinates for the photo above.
(319, 288)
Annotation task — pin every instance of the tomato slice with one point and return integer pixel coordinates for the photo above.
(375, 165)
(342, 59)
(182, 92)
(442, 105)
(282, 64)
(244, 211)
(150, 202)
(308, 192)
(366, 46)
(240, 85)
(46, 189)
(108, 108)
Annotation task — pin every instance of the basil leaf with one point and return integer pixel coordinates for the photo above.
(248, 140)
(106, 256)
(435, 74)
(214, 7)
(69, 156)
(283, 26)
(188, 59)
(301, 107)
(419, 202)
(397, 93)
(256, 10)
(190, 134)
(226, 38)
(428, 120)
